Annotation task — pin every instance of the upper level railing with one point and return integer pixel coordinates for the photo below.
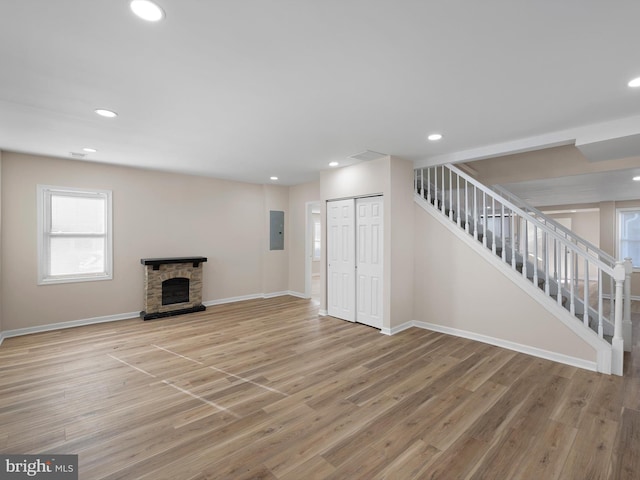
(574, 273)
(558, 227)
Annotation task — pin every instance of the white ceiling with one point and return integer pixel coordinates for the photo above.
(615, 185)
(249, 89)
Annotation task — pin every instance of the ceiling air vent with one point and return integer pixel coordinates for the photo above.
(77, 155)
(368, 155)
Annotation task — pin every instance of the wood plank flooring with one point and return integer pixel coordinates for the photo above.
(267, 389)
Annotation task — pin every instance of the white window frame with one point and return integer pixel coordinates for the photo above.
(44, 194)
(619, 211)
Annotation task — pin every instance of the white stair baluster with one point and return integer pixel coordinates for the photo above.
(484, 219)
(525, 253)
(466, 206)
(444, 193)
(556, 248)
(545, 246)
(600, 308)
(586, 292)
(435, 187)
(503, 239)
(569, 255)
(535, 255)
(513, 240)
(429, 185)
(458, 209)
(493, 223)
(450, 195)
(612, 307)
(475, 212)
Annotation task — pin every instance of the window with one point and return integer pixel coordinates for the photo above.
(74, 235)
(629, 235)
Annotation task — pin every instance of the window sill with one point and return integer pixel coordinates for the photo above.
(74, 279)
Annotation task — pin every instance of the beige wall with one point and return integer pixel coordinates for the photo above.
(299, 196)
(155, 215)
(386, 177)
(458, 289)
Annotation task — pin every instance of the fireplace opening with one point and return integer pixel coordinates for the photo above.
(175, 290)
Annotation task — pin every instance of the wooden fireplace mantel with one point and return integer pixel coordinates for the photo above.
(156, 262)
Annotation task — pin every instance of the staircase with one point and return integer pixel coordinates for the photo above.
(582, 279)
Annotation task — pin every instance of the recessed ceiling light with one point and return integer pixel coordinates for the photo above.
(106, 113)
(147, 10)
(89, 150)
(636, 179)
(333, 164)
(635, 82)
(273, 178)
(434, 137)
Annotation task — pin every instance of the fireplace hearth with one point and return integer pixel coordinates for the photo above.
(172, 286)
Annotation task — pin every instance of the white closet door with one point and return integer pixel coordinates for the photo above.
(369, 260)
(341, 284)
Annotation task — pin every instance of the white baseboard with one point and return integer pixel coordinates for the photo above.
(241, 298)
(128, 316)
(73, 323)
(297, 294)
(517, 347)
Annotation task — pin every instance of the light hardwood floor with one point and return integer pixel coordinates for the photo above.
(266, 389)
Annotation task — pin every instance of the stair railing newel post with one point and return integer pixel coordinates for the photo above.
(617, 343)
(626, 321)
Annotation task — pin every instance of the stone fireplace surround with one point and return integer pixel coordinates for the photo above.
(158, 270)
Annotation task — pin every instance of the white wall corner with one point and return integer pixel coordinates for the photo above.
(396, 329)
(298, 295)
(275, 294)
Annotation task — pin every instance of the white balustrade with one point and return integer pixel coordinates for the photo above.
(577, 274)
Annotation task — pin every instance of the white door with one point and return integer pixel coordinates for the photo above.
(369, 261)
(341, 259)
